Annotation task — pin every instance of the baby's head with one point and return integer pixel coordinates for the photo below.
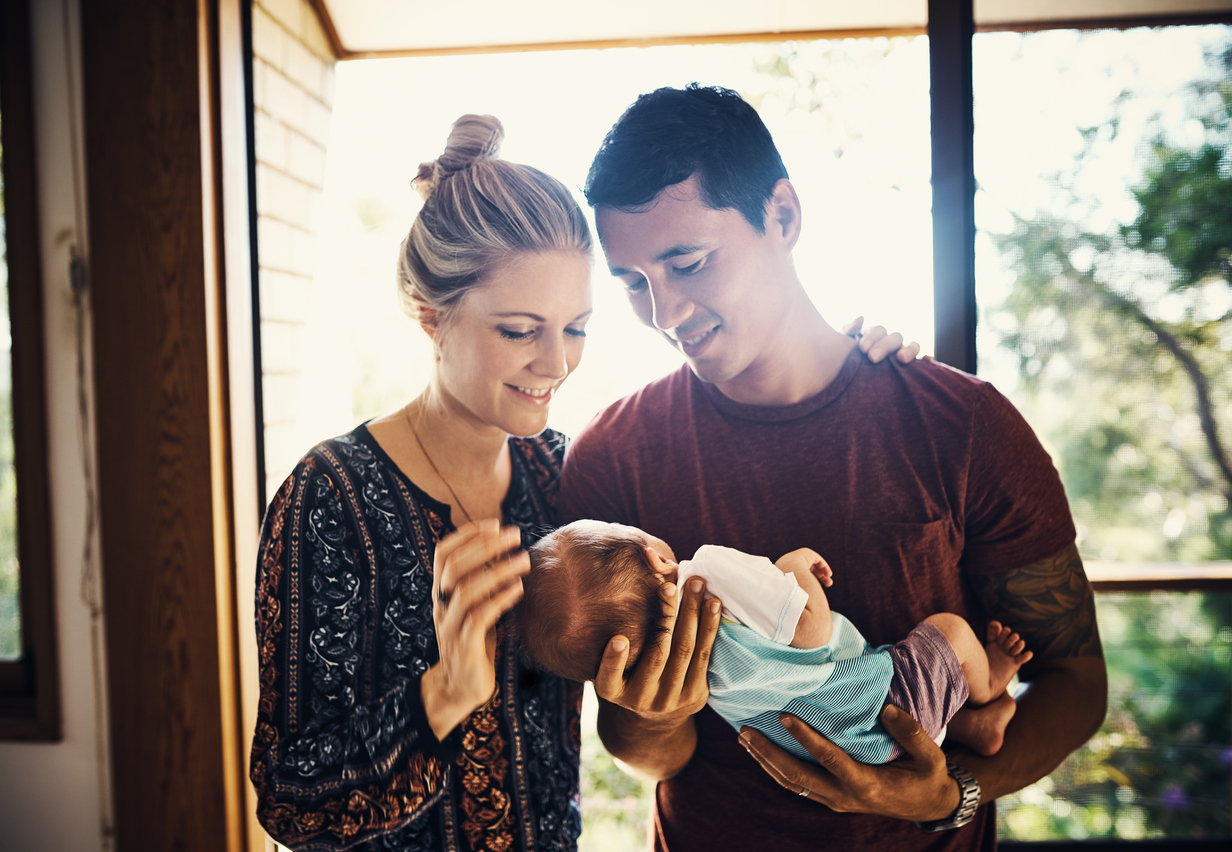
(588, 582)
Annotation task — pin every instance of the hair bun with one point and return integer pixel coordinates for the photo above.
(472, 137)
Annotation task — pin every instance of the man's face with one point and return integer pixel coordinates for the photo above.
(706, 279)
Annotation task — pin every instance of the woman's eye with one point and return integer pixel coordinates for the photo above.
(511, 334)
(575, 332)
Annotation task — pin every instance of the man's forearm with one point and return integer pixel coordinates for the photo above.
(651, 751)
(1063, 707)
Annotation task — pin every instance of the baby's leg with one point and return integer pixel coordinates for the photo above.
(815, 626)
(988, 669)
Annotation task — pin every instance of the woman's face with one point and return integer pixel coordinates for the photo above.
(514, 339)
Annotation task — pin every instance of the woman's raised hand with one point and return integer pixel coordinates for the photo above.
(477, 577)
(877, 343)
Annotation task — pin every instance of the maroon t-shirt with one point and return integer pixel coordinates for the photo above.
(902, 477)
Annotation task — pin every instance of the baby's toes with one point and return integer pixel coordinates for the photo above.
(994, 632)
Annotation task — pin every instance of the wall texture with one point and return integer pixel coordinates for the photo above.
(293, 90)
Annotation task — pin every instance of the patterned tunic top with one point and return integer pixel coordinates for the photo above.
(343, 756)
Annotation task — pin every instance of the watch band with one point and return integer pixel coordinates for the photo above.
(968, 800)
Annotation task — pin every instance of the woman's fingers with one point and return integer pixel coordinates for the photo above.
(480, 586)
(486, 542)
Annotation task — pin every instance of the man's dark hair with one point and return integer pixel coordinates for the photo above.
(669, 135)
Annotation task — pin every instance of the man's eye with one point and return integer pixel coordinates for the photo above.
(510, 334)
(637, 286)
(690, 269)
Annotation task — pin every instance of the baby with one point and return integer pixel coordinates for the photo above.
(779, 649)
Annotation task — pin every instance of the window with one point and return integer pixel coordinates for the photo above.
(1104, 166)
(28, 689)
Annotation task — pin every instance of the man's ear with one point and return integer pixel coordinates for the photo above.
(783, 213)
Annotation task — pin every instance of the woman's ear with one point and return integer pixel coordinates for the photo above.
(429, 320)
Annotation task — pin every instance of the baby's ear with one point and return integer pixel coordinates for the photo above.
(665, 568)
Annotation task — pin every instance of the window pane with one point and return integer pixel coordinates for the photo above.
(1104, 166)
(1159, 766)
(10, 615)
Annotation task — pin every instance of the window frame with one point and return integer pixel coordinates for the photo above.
(29, 686)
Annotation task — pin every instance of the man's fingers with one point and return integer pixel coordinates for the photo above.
(684, 634)
(695, 683)
(610, 681)
(788, 771)
(832, 758)
(907, 731)
(657, 649)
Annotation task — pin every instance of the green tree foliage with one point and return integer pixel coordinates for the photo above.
(1135, 322)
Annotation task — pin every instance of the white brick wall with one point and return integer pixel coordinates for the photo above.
(293, 91)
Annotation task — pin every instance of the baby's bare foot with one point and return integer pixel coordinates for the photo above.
(1006, 655)
(982, 729)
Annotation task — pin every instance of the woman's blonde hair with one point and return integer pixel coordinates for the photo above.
(478, 212)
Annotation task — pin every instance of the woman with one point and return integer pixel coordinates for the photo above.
(391, 717)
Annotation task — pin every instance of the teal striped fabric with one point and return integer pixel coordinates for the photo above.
(838, 689)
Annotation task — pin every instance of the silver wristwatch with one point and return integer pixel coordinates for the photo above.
(968, 800)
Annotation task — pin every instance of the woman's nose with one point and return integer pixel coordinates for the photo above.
(550, 361)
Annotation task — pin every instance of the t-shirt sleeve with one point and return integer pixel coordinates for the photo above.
(590, 482)
(1016, 512)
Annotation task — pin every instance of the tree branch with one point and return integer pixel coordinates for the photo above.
(1206, 411)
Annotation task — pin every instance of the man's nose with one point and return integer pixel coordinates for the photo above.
(668, 308)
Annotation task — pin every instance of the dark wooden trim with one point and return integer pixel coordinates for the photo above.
(29, 688)
(149, 215)
(321, 10)
(950, 29)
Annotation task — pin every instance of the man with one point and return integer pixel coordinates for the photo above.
(922, 487)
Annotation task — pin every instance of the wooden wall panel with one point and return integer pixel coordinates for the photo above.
(149, 280)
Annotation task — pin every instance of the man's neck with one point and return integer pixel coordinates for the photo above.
(799, 364)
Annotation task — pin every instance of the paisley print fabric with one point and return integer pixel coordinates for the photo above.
(343, 757)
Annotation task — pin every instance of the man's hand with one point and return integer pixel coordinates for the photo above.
(916, 787)
(646, 719)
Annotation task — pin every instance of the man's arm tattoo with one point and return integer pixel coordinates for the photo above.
(1049, 603)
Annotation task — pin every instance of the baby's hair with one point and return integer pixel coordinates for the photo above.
(584, 587)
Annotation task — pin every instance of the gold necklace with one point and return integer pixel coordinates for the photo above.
(407, 411)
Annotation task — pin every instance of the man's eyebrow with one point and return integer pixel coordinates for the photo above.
(666, 254)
